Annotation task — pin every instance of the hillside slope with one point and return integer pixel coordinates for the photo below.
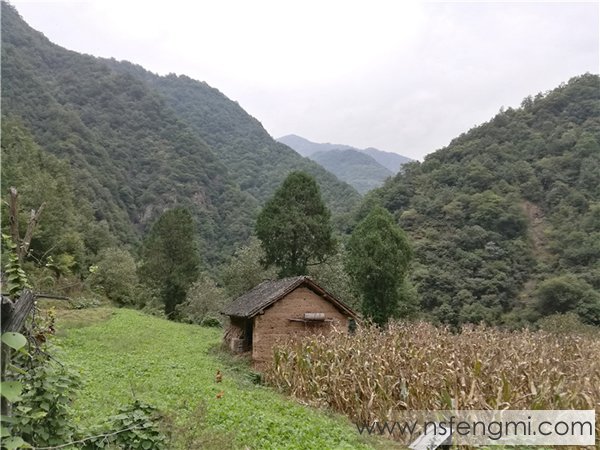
(508, 207)
(391, 161)
(355, 168)
(172, 366)
(137, 144)
(130, 155)
(306, 147)
(255, 160)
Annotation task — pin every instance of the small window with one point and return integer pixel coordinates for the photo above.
(351, 325)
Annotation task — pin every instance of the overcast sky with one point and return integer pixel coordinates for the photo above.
(399, 76)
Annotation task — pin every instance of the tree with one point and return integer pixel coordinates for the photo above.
(171, 260)
(203, 302)
(44, 187)
(115, 274)
(567, 293)
(294, 226)
(245, 270)
(331, 275)
(378, 259)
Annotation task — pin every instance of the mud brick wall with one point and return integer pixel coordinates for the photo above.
(275, 324)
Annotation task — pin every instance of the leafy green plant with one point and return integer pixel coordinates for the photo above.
(135, 427)
(15, 275)
(115, 275)
(11, 390)
(203, 302)
(86, 302)
(42, 416)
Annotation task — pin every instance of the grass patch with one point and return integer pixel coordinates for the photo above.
(67, 319)
(172, 366)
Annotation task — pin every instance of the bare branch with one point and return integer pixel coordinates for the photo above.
(13, 218)
(55, 297)
(33, 221)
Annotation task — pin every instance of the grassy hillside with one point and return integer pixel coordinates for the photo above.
(505, 221)
(127, 355)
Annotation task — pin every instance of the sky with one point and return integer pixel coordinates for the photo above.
(400, 76)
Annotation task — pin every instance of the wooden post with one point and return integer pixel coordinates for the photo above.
(15, 312)
(14, 315)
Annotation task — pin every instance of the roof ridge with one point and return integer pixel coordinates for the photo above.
(268, 292)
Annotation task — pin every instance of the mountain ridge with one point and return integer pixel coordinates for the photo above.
(355, 168)
(257, 162)
(390, 160)
(508, 213)
(132, 150)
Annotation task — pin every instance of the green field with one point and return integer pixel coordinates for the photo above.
(124, 355)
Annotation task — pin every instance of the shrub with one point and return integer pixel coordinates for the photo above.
(203, 302)
(115, 276)
(561, 294)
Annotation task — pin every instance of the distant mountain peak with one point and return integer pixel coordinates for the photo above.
(390, 160)
(364, 169)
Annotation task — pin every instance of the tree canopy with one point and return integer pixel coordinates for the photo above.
(170, 260)
(294, 226)
(505, 206)
(377, 261)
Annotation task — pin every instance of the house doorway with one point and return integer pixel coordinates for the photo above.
(248, 332)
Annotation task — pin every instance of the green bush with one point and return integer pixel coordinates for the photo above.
(560, 294)
(115, 275)
(203, 303)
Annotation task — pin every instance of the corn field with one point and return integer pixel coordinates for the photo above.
(372, 375)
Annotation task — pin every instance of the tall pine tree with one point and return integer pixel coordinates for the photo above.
(171, 261)
(378, 257)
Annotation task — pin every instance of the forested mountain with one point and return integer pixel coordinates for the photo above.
(389, 160)
(355, 168)
(505, 221)
(306, 147)
(254, 159)
(135, 144)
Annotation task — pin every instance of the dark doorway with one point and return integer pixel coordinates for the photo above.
(248, 332)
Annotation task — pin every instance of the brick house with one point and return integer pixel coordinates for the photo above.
(274, 310)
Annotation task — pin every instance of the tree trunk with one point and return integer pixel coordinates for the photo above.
(13, 219)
